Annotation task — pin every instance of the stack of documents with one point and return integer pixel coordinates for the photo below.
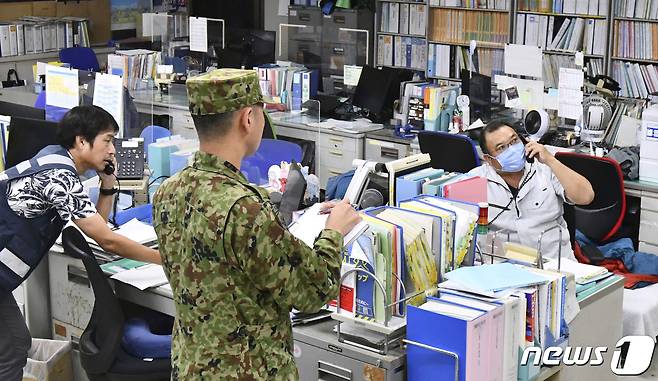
(143, 277)
(583, 273)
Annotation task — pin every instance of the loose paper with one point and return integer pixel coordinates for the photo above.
(154, 24)
(351, 74)
(530, 92)
(199, 34)
(523, 60)
(108, 95)
(62, 87)
(551, 99)
(570, 94)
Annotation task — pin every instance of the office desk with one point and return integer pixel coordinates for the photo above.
(599, 323)
(174, 105)
(648, 194)
(334, 150)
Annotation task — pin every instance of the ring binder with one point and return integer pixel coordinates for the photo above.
(454, 355)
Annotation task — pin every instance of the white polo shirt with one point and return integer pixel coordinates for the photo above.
(538, 206)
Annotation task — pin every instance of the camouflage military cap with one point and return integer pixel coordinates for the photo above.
(223, 90)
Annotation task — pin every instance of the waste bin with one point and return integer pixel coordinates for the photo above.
(48, 360)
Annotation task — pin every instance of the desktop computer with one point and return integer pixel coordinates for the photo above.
(13, 110)
(478, 88)
(246, 48)
(27, 137)
(375, 93)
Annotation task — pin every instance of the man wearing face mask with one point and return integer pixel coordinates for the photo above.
(527, 198)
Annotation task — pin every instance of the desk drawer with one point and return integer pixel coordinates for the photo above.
(337, 158)
(339, 142)
(183, 124)
(650, 203)
(649, 227)
(382, 151)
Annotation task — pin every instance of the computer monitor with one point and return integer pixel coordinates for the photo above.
(478, 88)
(13, 110)
(378, 89)
(27, 137)
(246, 48)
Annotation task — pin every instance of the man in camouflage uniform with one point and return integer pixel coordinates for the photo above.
(235, 271)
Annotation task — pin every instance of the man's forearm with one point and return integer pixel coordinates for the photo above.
(576, 187)
(104, 205)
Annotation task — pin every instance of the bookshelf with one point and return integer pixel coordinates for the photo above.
(562, 28)
(634, 47)
(401, 34)
(453, 23)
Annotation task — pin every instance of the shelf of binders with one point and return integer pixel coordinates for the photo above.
(566, 53)
(639, 60)
(444, 78)
(582, 16)
(480, 44)
(635, 19)
(470, 9)
(403, 67)
(402, 34)
(404, 2)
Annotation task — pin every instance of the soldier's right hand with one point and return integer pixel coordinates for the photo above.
(343, 218)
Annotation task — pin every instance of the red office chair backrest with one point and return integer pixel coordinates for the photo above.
(601, 219)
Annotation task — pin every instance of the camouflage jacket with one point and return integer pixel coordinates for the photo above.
(235, 273)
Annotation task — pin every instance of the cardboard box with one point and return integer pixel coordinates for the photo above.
(12, 11)
(44, 8)
(73, 8)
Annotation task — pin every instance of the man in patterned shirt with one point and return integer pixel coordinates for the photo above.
(234, 270)
(37, 197)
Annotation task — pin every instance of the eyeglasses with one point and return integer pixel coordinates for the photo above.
(499, 149)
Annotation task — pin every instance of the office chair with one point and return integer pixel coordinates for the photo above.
(101, 353)
(270, 152)
(603, 217)
(151, 134)
(450, 152)
(82, 58)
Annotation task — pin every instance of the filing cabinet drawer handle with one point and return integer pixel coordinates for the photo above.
(336, 140)
(337, 372)
(78, 276)
(335, 152)
(391, 153)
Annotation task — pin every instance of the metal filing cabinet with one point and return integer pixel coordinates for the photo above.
(341, 44)
(319, 356)
(304, 44)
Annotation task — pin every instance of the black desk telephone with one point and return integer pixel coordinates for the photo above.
(109, 167)
(130, 159)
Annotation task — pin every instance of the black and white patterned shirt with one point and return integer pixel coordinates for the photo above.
(61, 189)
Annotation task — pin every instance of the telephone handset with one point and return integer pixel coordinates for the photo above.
(525, 142)
(109, 168)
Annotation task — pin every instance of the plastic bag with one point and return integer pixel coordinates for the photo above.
(48, 360)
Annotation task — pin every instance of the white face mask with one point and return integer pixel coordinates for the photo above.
(512, 159)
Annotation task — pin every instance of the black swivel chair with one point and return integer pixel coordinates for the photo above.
(602, 219)
(450, 152)
(101, 354)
